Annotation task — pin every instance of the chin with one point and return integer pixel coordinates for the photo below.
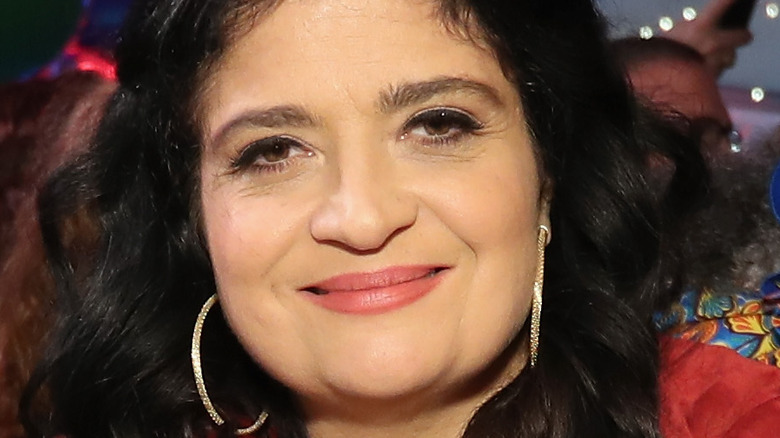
(386, 376)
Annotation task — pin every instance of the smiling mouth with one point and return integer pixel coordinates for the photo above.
(370, 281)
(375, 292)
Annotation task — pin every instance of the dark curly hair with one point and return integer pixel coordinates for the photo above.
(119, 365)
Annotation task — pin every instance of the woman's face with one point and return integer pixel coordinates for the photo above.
(371, 200)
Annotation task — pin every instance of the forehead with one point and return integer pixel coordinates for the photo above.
(345, 47)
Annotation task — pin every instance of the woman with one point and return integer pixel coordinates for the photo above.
(371, 190)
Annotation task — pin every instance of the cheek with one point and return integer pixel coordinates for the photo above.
(494, 206)
(497, 214)
(247, 238)
(494, 211)
(232, 239)
(246, 234)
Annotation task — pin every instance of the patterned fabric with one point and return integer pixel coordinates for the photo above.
(748, 322)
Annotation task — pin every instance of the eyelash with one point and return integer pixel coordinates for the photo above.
(452, 119)
(281, 145)
(455, 120)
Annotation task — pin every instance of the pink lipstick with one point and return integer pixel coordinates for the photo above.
(376, 292)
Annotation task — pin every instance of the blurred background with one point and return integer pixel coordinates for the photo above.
(47, 37)
(750, 89)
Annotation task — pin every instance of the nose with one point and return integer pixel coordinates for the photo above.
(364, 208)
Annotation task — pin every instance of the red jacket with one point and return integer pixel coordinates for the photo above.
(709, 391)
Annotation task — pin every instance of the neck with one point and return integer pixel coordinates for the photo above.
(428, 413)
(389, 422)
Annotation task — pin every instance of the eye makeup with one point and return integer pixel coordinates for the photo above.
(440, 126)
(270, 155)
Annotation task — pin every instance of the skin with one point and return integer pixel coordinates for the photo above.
(686, 87)
(717, 45)
(364, 189)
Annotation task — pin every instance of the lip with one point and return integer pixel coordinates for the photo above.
(370, 293)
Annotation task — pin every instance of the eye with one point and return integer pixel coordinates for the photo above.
(272, 154)
(440, 126)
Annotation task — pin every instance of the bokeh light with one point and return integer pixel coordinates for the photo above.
(666, 24)
(645, 32)
(689, 14)
(757, 94)
(735, 138)
(772, 10)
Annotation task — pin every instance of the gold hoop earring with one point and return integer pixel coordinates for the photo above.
(197, 369)
(536, 301)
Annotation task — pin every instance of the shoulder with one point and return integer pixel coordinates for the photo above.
(712, 391)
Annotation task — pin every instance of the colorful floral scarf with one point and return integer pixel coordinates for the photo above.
(748, 322)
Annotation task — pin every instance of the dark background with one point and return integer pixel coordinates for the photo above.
(33, 33)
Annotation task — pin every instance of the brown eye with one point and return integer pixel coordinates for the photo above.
(438, 124)
(277, 151)
(270, 153)
(441, 125)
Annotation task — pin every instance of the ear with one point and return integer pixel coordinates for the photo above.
(545, 199)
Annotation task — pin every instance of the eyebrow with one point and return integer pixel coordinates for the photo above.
(274, 117)
(408, 94)
(391, 100)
